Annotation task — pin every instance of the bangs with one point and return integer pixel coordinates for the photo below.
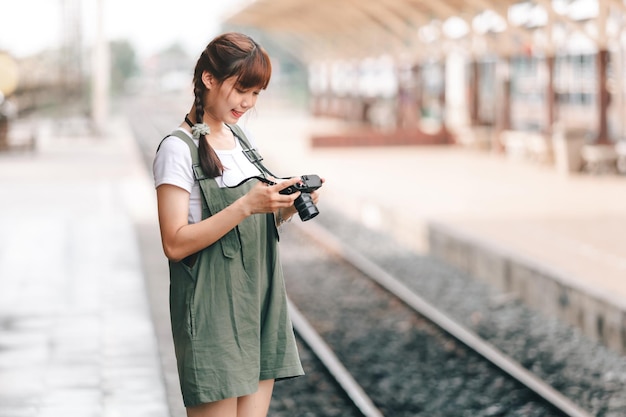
(255, 71)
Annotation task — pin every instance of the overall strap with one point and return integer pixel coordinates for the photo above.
(213, 198)
(192, 146)
(195, 158)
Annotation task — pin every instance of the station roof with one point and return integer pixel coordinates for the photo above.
(324, 29)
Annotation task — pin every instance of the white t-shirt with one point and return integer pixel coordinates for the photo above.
(172, 165)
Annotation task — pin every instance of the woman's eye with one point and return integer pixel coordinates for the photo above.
(246, 91)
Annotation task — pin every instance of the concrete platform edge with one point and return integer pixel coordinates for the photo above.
(544, 288)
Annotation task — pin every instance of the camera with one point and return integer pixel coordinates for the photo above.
(304, 203)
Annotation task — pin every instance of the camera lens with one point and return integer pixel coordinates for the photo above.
(305, 206)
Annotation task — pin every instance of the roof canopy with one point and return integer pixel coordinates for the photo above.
(326, 29)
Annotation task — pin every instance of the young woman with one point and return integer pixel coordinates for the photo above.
(232, 333)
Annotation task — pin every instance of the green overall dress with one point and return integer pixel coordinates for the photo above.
(228, 305)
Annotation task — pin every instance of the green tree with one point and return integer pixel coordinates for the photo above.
(123, 65)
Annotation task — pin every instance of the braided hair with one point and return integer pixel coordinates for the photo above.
(228, 55)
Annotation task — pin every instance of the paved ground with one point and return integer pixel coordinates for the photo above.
(76, 337)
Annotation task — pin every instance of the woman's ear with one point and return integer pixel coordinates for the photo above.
(208, 80)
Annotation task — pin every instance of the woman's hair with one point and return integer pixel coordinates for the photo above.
(228, 55)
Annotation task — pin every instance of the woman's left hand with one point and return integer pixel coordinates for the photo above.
(315, 195)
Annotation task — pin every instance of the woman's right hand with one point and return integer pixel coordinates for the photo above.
(263, 198)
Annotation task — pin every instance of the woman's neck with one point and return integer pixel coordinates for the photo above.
(215, 125)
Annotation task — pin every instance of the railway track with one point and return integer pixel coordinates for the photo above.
(545, 395)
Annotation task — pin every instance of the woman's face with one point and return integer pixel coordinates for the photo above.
(227, 102)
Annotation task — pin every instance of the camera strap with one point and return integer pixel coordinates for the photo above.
(251, 153)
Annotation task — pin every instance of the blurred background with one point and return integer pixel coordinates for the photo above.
(534, 84)
(68, 54)
(501, 123)
(507, 76)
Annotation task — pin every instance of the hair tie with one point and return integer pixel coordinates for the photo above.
(198, 129)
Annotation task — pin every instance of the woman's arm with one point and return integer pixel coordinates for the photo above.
(181, 239)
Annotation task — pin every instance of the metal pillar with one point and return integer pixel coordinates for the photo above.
(602, 61)
(550, 95)
(474, 93)
(100, 75)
